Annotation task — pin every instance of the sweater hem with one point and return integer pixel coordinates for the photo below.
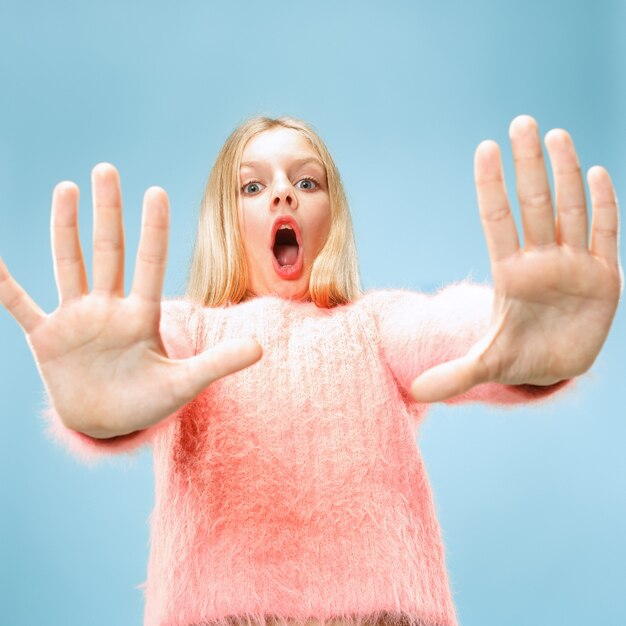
(378, 617)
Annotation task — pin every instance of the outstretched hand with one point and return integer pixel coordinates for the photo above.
(555, 298)
(101, 355)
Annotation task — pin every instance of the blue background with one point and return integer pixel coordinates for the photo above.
(532, 500)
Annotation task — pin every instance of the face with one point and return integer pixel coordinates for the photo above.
(284, 212)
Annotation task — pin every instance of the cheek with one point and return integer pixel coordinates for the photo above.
(253, 231)
(321, 227)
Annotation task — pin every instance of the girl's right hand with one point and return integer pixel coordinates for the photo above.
(100, 354)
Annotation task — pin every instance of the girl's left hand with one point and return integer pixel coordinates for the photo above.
(554, 299)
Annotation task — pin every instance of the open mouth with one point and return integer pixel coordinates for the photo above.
(288, 254)
(286, 246)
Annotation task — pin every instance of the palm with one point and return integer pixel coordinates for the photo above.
(553, 311)
(101, 355)
(114, 348)
(554, 299)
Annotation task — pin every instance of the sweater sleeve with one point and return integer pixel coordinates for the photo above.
(179, 337)
(418, 331)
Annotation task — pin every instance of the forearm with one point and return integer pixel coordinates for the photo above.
(102, 433)
(90, 449)
(540, 389)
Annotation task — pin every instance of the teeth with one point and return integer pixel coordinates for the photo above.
(283, 226)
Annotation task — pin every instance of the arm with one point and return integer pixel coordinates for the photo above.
(102, 356)
(554, 299)
(418, 331)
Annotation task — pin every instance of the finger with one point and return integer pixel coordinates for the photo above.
(571, 206)
(152, 252)
(448, 380)
(605, 215)
(17, 302)
(67, 256)
(225, 358)
(108, 244)
(533, 187)
(495, 212)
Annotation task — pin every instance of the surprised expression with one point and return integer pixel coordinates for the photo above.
(284, 212)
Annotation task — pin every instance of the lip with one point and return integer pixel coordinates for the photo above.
(293, 271)
(285, 219)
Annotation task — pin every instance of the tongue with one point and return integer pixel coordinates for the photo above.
(286, 255)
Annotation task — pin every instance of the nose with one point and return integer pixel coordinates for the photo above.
(284, 195)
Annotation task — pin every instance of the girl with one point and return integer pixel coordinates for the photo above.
(280, 401)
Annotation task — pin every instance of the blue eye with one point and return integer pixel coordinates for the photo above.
(251, 184)
(311, 181)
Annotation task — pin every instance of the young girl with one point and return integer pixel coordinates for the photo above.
(280, 401)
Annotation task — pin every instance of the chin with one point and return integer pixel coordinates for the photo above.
(290, 290)
(293, 292)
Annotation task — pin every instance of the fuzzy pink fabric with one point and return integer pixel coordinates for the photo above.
(295, 488)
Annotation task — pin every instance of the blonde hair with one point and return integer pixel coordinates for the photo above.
(218, 272)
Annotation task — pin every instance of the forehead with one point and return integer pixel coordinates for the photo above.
(278, 144)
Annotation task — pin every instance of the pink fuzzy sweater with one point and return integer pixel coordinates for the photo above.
(295, 488)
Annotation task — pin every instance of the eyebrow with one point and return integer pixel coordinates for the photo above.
(301, 161)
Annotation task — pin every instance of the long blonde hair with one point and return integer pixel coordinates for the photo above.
(218, 272)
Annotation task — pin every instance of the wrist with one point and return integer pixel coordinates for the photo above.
(539, 388)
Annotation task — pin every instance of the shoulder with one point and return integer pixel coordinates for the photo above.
(374, 298)
(178, 310)
(455, 291)
(180, 325)
(457, 299)
(381, 302)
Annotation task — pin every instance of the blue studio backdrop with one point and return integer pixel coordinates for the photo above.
(531, 500)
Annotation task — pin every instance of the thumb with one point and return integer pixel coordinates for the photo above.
(447, 380)
(221, 360)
